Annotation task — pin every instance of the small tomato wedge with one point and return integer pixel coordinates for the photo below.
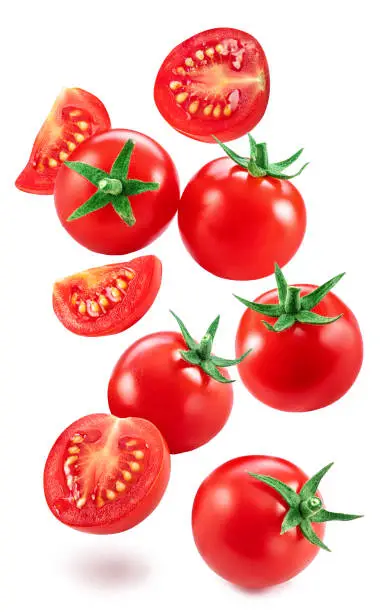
(107, 300)
(75, 116)
(106, 475)
(214, 83)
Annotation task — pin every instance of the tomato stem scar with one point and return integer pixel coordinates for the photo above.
(110, 185)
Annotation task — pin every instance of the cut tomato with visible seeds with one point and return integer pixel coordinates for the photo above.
(214, 83)
(106, 475)
(75, 116)
(107, 300)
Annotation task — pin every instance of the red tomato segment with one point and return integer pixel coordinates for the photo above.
(107, 300)
(303, 368)
(237, 522)
(214, 83)
(105, 475)
(151, 380)
(237, 226)
(103, 230)
(75, 116)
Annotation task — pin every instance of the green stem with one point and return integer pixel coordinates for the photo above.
(310, 506)
(205, 347)
(110, 186)
(293, 300)
(261, 155)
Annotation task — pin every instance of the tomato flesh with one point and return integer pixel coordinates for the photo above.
(107, 300)
(214, 83)
(303, 368)
(237, 520)
(152, 381)
(75, 116)
(105, 475)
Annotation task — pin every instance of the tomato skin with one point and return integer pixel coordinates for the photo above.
(236, 522)
(141, 293)
(152, 381)
(55, 135)
(103, 231)
(209, 86)
(122, 515)
(303, 368)
(237, 226)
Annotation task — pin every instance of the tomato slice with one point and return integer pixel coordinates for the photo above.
(107, 300)
(214, 83)
(105, 474)
(75, 116)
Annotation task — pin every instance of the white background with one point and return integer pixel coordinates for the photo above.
(328, 75)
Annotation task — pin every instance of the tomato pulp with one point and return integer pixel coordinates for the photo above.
(103, 230)
(216, 82)
(305, 367)
(105, 475)
(237, 521)
(75, 116)
(107, 300)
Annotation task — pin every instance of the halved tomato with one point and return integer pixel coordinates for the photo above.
(214, 83)
(107, 300)
(106, 475)
(75, 116)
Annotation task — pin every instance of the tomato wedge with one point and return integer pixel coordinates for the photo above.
(107, 300)
(75, 116)
(106, 475)
(214, 83)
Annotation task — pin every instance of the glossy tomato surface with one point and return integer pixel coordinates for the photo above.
(109, 299)
(214, 83)
(305, 367)
(237, 519)
(75, 116)
(106, 475)
(103, 230)
(151, 380)
(237, 226)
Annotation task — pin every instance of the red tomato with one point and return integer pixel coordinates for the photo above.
(75, 116)
(237, 522)
(106, 475)
(104, 229)
(305, 367)
(107, 300)
(216, 82)
(236, 225)
(183, 392)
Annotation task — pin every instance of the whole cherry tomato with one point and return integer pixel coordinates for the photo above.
(238, 215)
(309, 357)
(258, 521)
(117, 193)
(177, 384)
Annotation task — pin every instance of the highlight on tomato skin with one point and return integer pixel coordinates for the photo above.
(214, 83)
(75, 116)
(105, 475)
(110, 299)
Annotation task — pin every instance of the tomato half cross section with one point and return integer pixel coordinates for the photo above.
(106, 475)
(107, 300)
(75, 116)
(216, 82)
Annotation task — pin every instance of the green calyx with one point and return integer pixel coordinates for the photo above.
(258, 164)
(199, 354)
(112, 187)
(305, 507)
(293, 308)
